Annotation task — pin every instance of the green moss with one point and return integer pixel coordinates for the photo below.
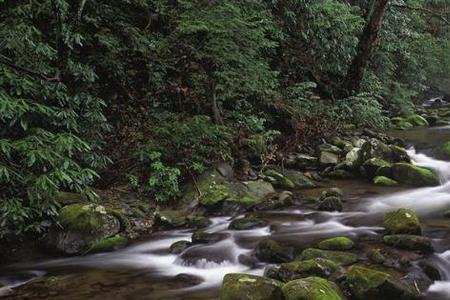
(337, 243)
(250, 287)
(414, 175)
(364, 280)
(339, 257)
(312, 288)
(279, 180)
(445, 149)
(312, 267)
(384, 181)
(417, 120)
(83, 218)
(123, 219)
(109, 244)
(402, 220)
(409, 242)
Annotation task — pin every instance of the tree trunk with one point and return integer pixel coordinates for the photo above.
(215, 106)
(365, 47)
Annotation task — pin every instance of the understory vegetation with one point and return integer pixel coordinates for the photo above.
(150, 93)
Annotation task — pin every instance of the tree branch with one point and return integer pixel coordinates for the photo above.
(7, 62)
(425, 10)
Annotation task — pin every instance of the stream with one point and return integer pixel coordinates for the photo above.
(147, 270)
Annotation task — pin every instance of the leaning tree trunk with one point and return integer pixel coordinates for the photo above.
(366, 44)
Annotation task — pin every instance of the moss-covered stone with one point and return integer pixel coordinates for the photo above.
(384, 181)
(366, 283)
(375, 256)
(250, 287)
(402, 221)
(370, 167)
(109, 244)
(83, 218)
(202, 237)
(414, 175)
(198, 221)
(339, 257)
(247, 223)
(279, 180)
(417, 120)
(337, 243)
(312, 267)
(312, 288)
(171, 218)
(409, 242)
(444, 150)
(330, 204)
(179, 247)
(272, 252)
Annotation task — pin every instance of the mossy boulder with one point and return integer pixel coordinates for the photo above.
(109, 244)
(366, 283)
(171, 218)
(339, 257)
(370, 167)
(179, 247)
(417, 120)
(81, 226)
(312, 288)
(279, 180)
(402, 221)
(409, 242)
(375, 256)
(247, 223)
(250, 287)
(337, 243)
(384, 181)
(271, 251)
(331, 203)
(202, 237)
(414, 175)
(312, 267)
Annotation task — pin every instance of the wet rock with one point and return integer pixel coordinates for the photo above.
(402, 221)
(313, 267)
(333, 192)
(312, 288)
(399, 154)
(198, 221)
(305, 162)
(272, 271)
(225, 170)
(171, 218)
(337, 243)
(248, 260)
(329, 148)
(250, 287)
(330, 204)
(353, 159)
(275, 201)
(328, 158)
(343, 144)
(202, 237)
(279, 180)
(384, 181)
(247, 223)
(179, 247)
(299, 179)
(340, 174)
(339, 257)
(409, 242)
(370, 167)
(365, 283)
(272, 252)
(414, 175)
(82, 225)
(109, 244)
(375, 256)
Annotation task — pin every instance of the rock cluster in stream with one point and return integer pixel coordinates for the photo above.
(337, 269)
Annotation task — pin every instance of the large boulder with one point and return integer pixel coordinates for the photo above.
(365, 283)
(250, 287)
(370, 167)
(339, 257)
(312, 288)
(247, 223)
(402, 221)
(336, 243)
(413, 175)
(81, 227)
(312, 267)
(272, 252)
(409, 242)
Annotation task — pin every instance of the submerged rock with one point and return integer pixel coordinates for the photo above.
(250, 287)
(365, 283)
(409, 242)
(272, 252)
(312, 288)
(312, 267)
(414, 175)
(247, 223)
(109, 244)
(337, 243)
(179, 247)
(339, 257)
(82, 226)
(202, 237)
(402, 221)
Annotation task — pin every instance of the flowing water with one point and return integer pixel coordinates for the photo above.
(147, 270)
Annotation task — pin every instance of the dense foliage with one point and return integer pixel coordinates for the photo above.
(152, 91)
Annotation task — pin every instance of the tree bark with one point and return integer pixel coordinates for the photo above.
(365, 47)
